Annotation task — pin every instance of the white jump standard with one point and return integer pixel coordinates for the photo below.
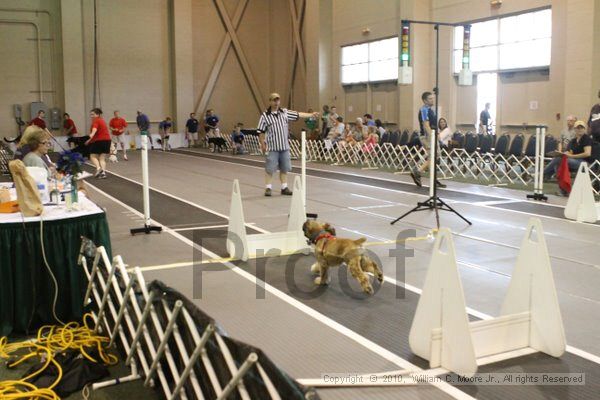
(530, 319)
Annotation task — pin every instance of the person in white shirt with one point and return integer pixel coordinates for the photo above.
(445, 133)
(567, 134)
(380, 128)
(337, 133)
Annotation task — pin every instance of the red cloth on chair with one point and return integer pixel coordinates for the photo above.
(564, 175)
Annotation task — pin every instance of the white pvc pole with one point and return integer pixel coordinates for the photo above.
(146, 187)
(432, 154)
(536, 178)
(303, 167)
(542, 155)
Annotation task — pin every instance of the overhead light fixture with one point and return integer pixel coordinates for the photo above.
(495, 3)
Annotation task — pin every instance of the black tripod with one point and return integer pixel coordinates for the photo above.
(434, 202)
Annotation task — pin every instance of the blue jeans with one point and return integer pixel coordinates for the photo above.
(552, 168)
(278, 160)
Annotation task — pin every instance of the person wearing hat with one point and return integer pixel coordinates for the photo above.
(580, 149)
(274, 141)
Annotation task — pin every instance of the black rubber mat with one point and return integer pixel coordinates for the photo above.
(384, 318)
(164, 209)
(534, 208)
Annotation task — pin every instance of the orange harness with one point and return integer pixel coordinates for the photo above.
(324, 235)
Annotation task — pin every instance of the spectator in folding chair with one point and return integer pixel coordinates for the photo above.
(237, 137)
(337, 134)
(567, 134)
(368, 120)
(370, 141)
(359, 131)
(580, 149)
(39, 143)
(380, 129)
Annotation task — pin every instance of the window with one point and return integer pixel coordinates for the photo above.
(520, 41)
(370, 62)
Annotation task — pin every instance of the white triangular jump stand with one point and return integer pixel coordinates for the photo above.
(530, 317)
(241, 245)
(581, 205)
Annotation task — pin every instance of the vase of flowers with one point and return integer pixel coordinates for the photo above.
(70, 163)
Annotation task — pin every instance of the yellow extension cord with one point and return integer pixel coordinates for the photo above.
(50, 340)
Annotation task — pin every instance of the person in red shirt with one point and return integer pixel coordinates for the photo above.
(117, 128)
(99, 143)
(69, 125)
(39, 120)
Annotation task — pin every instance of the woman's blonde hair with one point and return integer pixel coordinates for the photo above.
(34, 138)
(30, 131)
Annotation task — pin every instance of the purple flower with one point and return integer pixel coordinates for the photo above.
(70, 162)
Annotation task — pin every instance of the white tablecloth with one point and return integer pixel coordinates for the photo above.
(51, 212)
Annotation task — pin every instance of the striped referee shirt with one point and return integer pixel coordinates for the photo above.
(275, 127)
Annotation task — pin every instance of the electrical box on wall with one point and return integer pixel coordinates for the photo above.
(405, 75)
(37, 106)
(465, 77)
(55, 120)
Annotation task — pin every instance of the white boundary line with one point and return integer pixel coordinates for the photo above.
(369, 345)
(581, 353)
(196, 228)
(409, 193)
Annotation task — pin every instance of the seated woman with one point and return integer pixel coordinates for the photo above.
(23, 148)
(360, 130)
(445, 133)
(580, 149)
(371, 139)
(337, 131)
(38, 143)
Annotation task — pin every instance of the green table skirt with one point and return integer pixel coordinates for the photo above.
(26, 287)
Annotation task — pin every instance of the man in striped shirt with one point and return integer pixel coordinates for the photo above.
(274, 141)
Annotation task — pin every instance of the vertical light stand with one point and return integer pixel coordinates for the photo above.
(147, 228)
(434, 202)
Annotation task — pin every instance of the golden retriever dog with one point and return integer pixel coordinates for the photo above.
(332, 251)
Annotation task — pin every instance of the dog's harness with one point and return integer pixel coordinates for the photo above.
(322, 235)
